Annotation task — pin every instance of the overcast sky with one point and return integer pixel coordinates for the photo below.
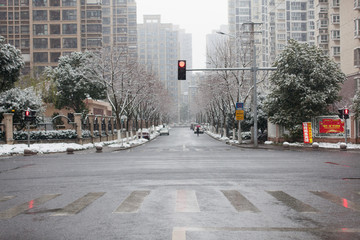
(198, 17)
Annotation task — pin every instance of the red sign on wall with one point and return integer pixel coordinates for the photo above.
(331, 126)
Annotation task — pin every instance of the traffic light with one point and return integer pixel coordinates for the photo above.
(341, 113)
(182, 70)
(346, 113)
(30, 115)
(27, 116)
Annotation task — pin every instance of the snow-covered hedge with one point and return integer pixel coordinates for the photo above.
(55, 134)
(37, 135)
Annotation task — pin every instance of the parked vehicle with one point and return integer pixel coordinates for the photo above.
(164, 131)
(201, 129)
(144, 133)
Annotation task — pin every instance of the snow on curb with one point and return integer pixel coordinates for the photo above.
(43, 148)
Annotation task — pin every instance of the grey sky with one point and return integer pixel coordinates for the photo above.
(198, 17)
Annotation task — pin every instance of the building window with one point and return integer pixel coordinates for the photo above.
(94, 42)
(55, 43)
(24, 15)
(69, 43)
(25, 43)
(69, 2)
(335, 34)
(54, 3)
(356, 4)
(40, 15)
(69, 15)
(25, 29)
(40, 29)
(24, 2)
(357, 28)
(94, 28)
(106, 20)
(281, 36)
(3, 30)
(54, 56)
(41, 57)
(54, 28)
(3, 15)
(336, 51)
(40, 43)
(357, 57)
(93, 14)
(54, 15)
(69, 28)
(335, 3)
(335, 19)
(357, 83)
(323, 23)
(39, 3)
(323, 39)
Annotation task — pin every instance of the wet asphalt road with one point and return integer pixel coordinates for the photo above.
(181, 187)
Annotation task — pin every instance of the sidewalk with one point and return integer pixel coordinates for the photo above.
(292, 146)
(45, 148)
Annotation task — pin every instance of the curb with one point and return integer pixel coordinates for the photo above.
(288, 148)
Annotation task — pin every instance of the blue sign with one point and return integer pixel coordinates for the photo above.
(239, 106)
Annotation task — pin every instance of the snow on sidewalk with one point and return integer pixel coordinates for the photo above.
(42, 148)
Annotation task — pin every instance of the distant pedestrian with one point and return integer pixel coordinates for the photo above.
(197, 130)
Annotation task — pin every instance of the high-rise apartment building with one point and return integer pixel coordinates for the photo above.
(159, 48)
(350, 47)
(44, 30)
(276, 21)
(328, 24)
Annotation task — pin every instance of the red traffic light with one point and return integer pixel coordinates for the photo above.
(346, 111)
(27, 113)
(181, 69)
(182, 64)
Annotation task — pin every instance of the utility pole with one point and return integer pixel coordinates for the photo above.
(254, 70)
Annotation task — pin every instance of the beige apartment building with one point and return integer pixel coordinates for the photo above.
(350, 46)
(328, 24)
(44, 30)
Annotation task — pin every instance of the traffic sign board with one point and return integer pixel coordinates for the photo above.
(239, 106)
(239, 115)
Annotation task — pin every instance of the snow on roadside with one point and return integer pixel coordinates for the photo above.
(43, 148)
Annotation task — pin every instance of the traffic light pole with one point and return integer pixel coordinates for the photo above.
(28, 133)
(345, 130)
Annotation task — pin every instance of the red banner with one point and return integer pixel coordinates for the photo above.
(307, 130)
(331, 126)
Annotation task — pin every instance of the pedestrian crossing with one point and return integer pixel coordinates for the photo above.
(184, 201)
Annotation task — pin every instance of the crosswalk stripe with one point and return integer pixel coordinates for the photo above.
(78, 205)
(186, 201)
(12, 212)
(179, 233)
(133, 202)
(338, 200)
(239, 202)
(292, 202)
(6, 198)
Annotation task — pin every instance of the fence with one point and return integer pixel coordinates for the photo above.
(97, 128)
